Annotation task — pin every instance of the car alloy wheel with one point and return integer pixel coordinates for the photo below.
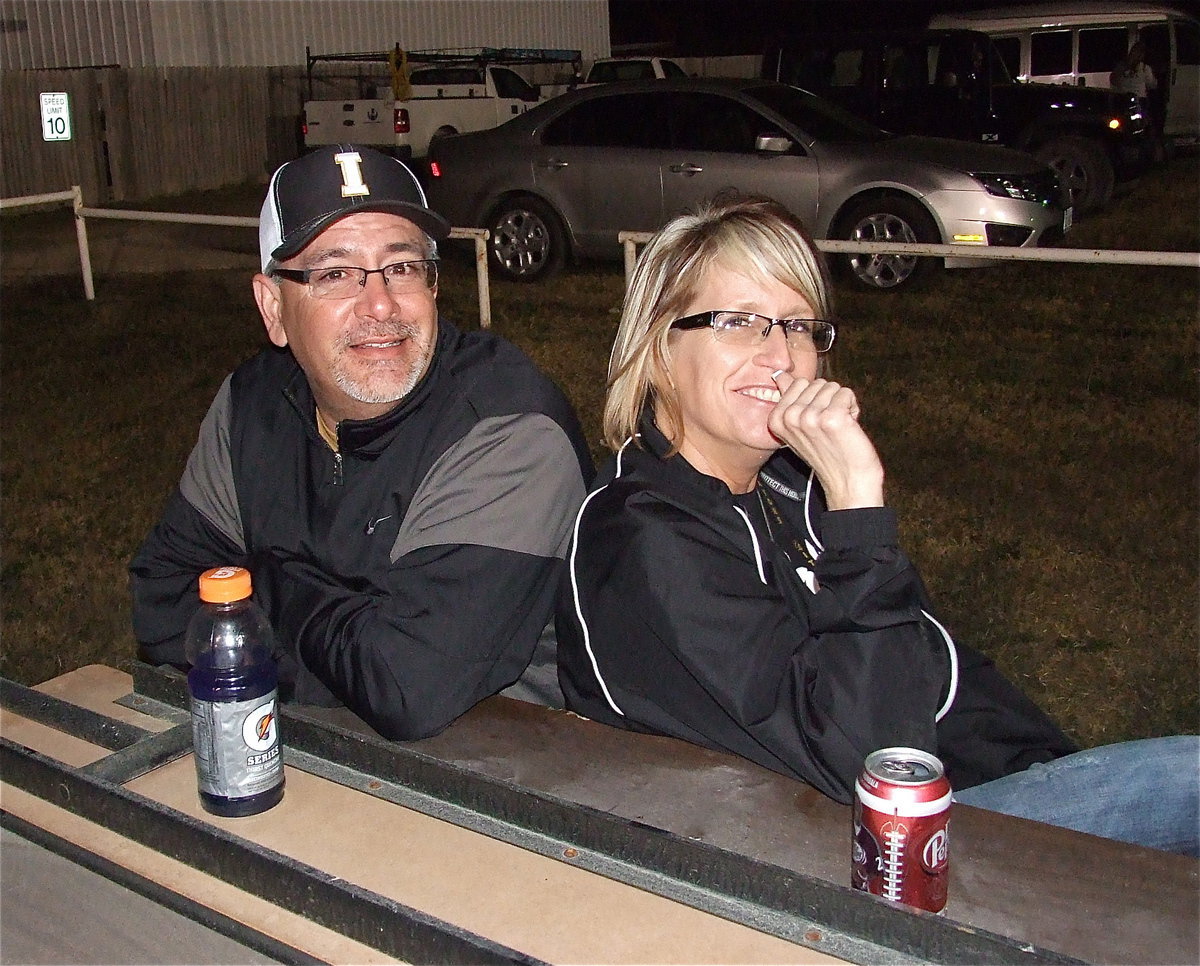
(888, 219)
(527, 241)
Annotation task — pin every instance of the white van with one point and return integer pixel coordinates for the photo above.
(1081, 42)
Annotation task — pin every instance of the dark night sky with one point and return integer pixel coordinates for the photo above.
(708, 27)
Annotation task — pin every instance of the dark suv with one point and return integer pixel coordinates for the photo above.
(953, 83)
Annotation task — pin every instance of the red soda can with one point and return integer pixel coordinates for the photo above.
(901, 846)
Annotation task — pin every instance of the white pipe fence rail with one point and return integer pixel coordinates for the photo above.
(82, 213)
(628, 239)
(1091, 256)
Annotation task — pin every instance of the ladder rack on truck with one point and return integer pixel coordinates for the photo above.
(446, 56)
(413, 97)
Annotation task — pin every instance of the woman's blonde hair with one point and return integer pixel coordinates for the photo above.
(756, 237)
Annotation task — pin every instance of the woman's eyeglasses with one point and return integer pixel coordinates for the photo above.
(749, 329)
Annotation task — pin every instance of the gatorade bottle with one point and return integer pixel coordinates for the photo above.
(233, 683)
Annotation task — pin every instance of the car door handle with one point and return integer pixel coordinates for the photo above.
(686, 168)
(553, 163)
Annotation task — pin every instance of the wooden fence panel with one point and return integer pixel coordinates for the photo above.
(122, 173)
(35, 166)
(141, 133)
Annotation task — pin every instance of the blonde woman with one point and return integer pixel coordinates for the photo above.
(735, 578)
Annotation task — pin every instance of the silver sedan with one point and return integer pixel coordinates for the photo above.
(560, 181)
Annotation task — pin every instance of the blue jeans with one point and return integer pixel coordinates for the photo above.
(1146, 792)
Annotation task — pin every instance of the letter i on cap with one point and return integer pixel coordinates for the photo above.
(307, 195)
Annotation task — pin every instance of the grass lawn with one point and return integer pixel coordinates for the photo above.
(1039, 424)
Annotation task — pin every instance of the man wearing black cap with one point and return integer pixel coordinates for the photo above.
(401, 491)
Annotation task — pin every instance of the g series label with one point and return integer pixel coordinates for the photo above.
(236, 744)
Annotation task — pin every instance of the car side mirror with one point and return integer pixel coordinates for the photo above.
(774, 143)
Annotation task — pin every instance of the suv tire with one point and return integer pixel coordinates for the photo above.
(887, 218)
(527, 240)
(1084, 169)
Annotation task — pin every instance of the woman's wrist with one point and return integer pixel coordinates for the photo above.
(864, 490)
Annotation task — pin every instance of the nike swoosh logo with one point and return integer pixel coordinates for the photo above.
(374, 523)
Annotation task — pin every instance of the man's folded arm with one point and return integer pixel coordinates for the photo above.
(472, 583)
(163, 578)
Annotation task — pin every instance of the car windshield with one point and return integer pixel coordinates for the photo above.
(816, 117)
(966, 53)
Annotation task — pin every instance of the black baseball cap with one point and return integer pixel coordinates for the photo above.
(307, 195)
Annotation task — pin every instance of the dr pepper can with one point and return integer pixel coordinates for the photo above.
(901, 846)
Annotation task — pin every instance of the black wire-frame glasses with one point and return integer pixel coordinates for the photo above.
(749, 328)
(346, 281)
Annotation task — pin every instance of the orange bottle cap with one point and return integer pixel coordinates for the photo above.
(223, 585)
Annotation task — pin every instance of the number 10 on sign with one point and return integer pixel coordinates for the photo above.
(56, 117)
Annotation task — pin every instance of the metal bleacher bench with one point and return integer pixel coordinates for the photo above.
(526, 834)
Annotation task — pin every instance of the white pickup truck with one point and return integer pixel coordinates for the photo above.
(609, 69)
(413, 99)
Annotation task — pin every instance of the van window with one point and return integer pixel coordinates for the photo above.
(1158, 48)
(1102, 49)
(672, 69)
(1187, 42)
(1050, 53)
(1009, 49)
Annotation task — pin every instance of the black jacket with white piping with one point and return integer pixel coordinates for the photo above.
(796, 637)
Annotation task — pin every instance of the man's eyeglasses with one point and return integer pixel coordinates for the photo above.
(749, 329)
(346, 281)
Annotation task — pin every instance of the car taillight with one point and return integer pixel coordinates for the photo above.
(435, 169)
(304, 124)
(400, 120)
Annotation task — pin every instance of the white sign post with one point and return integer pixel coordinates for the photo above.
(56, 117)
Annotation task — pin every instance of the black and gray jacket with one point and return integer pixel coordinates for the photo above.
(410, 574)
(802, 642)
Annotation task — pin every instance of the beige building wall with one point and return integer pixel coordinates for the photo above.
(38, 34)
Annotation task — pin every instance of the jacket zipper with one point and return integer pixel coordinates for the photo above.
(337, 469)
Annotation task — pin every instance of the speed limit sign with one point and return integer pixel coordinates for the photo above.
(56, 117)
